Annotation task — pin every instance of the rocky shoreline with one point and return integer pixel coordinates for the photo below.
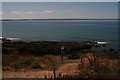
(53, 47)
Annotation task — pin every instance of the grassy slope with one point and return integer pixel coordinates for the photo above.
(89, 64)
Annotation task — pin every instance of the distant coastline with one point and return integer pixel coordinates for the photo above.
(53, 19)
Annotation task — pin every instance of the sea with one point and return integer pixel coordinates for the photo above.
(62, 30)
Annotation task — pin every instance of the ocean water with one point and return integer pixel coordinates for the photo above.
(63, 30)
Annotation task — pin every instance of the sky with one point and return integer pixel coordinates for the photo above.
(59, 10)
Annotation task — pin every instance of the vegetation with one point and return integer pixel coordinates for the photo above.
(45, 55)
(99, 65)
(42, 48)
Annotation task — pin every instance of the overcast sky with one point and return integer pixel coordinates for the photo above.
(51, 10)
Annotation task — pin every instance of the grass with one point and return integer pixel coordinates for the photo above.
(31, 62)
(104, 66)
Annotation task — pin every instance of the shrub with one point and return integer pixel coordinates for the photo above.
(21, 65)
(102, 69)
(36, 66)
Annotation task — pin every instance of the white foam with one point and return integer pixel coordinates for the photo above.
(1, 37)
(13, 39)
(98, 42)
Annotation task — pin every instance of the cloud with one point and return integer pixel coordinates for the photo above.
(23, 12)
(16, 12)
(1, 13)
(48, 11)
(30, 13)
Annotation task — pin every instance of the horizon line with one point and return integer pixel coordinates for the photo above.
(62, 19)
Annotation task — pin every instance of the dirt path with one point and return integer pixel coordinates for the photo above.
(69, 68)
(26, 74)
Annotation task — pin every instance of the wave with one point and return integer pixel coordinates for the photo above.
(18, 39)
(99, 42)
(12, 39)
